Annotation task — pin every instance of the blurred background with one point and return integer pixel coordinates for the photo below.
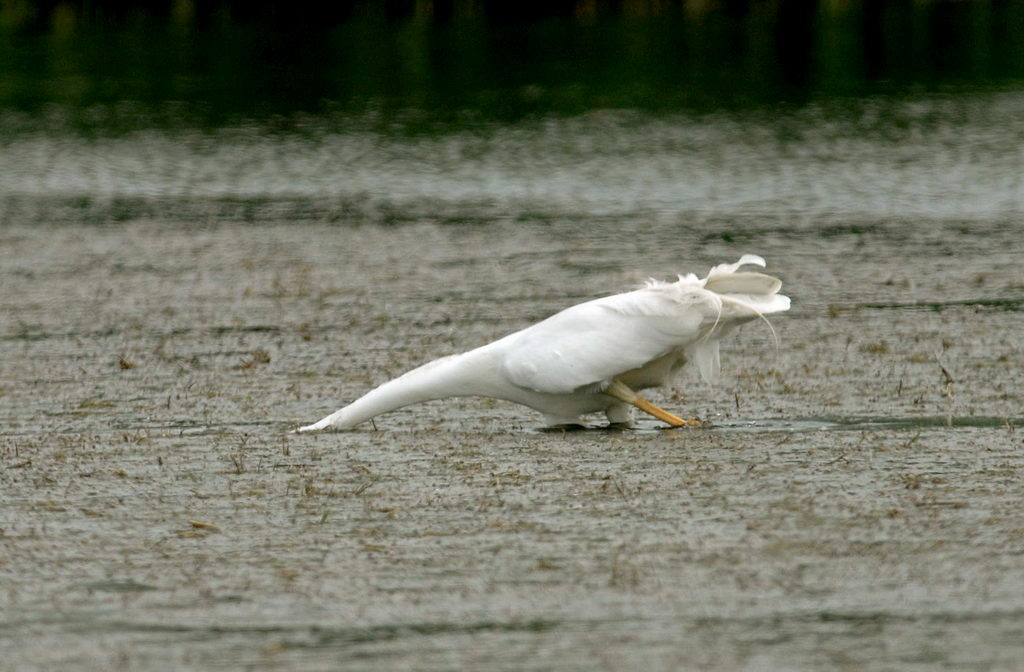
(405, 109)
(458, 61)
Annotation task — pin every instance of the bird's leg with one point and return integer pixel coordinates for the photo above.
(620, 390)
(620, 414)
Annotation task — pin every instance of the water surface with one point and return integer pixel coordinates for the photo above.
(213, 231)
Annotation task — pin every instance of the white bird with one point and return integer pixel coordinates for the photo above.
(593, 356)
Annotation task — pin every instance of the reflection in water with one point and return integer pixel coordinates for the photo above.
(457, 111)
(458, 61)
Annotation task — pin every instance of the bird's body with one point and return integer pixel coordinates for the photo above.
(589, 357)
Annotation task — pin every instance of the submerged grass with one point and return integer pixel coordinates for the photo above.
(848, 501)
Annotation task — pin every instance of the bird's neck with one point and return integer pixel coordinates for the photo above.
(466, 374)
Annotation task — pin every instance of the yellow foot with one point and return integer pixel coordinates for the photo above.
(620, 390)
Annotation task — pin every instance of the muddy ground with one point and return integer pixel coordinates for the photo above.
(857, 506)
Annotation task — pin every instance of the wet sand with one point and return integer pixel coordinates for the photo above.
(857, 505)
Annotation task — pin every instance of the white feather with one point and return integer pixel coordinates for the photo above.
(561, 365)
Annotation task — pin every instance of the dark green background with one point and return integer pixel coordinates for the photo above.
(117, 66)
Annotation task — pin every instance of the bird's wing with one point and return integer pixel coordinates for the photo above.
(595, 341)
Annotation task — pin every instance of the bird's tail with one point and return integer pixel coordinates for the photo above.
(744, 289)
(742, 296)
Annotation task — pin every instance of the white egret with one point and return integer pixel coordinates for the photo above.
(593, 356)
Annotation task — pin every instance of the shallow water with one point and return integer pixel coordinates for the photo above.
(936, 156)
(178, 297)
(849, 509)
